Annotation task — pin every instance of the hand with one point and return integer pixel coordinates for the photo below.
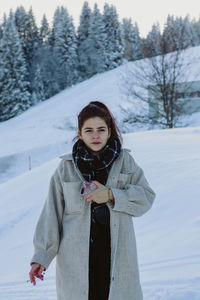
(100, 195)
(36, 271)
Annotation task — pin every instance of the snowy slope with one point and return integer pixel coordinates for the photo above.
(49, 121)
(167, 236)
(46, 130)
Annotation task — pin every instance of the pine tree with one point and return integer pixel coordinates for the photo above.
(4, 22)
(177, 33)
(47, 60)
(195, 32)
(27, 28)
(33, 39)
(48, 70)
(183, 32)
(83, 49)
(114, 49)
(43, 85)
(137, 52)
(152, 43)
(168, 36)
(38, 86)
(131, 40)
(1, 32)
(14, 95)
(21, 21)
(32, 45)
(96, 41)
(44, 30)
(30, 38)
(65, 48)
(127, 36)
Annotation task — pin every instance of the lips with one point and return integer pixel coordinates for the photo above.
(97, 143)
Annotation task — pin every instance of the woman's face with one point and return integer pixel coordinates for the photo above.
(95, 134)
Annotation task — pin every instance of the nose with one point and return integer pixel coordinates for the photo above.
(95, 135)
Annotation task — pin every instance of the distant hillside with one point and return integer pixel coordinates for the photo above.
(46, 130)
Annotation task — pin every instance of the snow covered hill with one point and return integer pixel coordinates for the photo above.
(167, 236)
(46, 130)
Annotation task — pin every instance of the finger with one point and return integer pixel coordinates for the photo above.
(33, 272)
(88, 197)
(40, 273)
(98, 184)
(32, 278)
(41, 270)
(33, 281)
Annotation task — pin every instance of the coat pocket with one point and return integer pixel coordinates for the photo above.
(123, 180)
(74, 202)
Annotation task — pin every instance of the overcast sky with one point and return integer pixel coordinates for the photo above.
(144, 12)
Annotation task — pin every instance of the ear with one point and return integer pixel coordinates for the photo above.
(79, 134)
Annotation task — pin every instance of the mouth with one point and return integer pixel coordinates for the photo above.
(96, 143)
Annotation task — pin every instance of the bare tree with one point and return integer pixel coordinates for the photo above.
(161, 82)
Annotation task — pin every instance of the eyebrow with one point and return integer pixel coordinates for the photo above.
(104, 127)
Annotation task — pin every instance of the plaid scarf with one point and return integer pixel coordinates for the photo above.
(96, 167)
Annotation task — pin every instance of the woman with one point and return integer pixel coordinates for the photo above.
(91, 232)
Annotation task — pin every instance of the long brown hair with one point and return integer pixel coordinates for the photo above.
(98, 109)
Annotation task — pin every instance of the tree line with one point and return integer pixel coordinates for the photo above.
(38, 62)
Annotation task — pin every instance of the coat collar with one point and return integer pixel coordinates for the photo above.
(66, 156)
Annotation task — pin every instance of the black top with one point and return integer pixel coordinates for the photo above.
(99, 256)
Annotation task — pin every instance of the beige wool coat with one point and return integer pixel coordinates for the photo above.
(63, 228)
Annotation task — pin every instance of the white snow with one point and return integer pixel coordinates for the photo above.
(168, 236)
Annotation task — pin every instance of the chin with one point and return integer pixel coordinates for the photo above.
(96, 149)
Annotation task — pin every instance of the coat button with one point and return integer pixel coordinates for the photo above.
(112, 278)
(91, 240)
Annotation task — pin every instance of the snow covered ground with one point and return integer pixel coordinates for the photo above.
(168, 236)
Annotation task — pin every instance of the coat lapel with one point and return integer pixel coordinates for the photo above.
(114, 220)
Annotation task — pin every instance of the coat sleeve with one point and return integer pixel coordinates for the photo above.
(137, 197)
(48, 229)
